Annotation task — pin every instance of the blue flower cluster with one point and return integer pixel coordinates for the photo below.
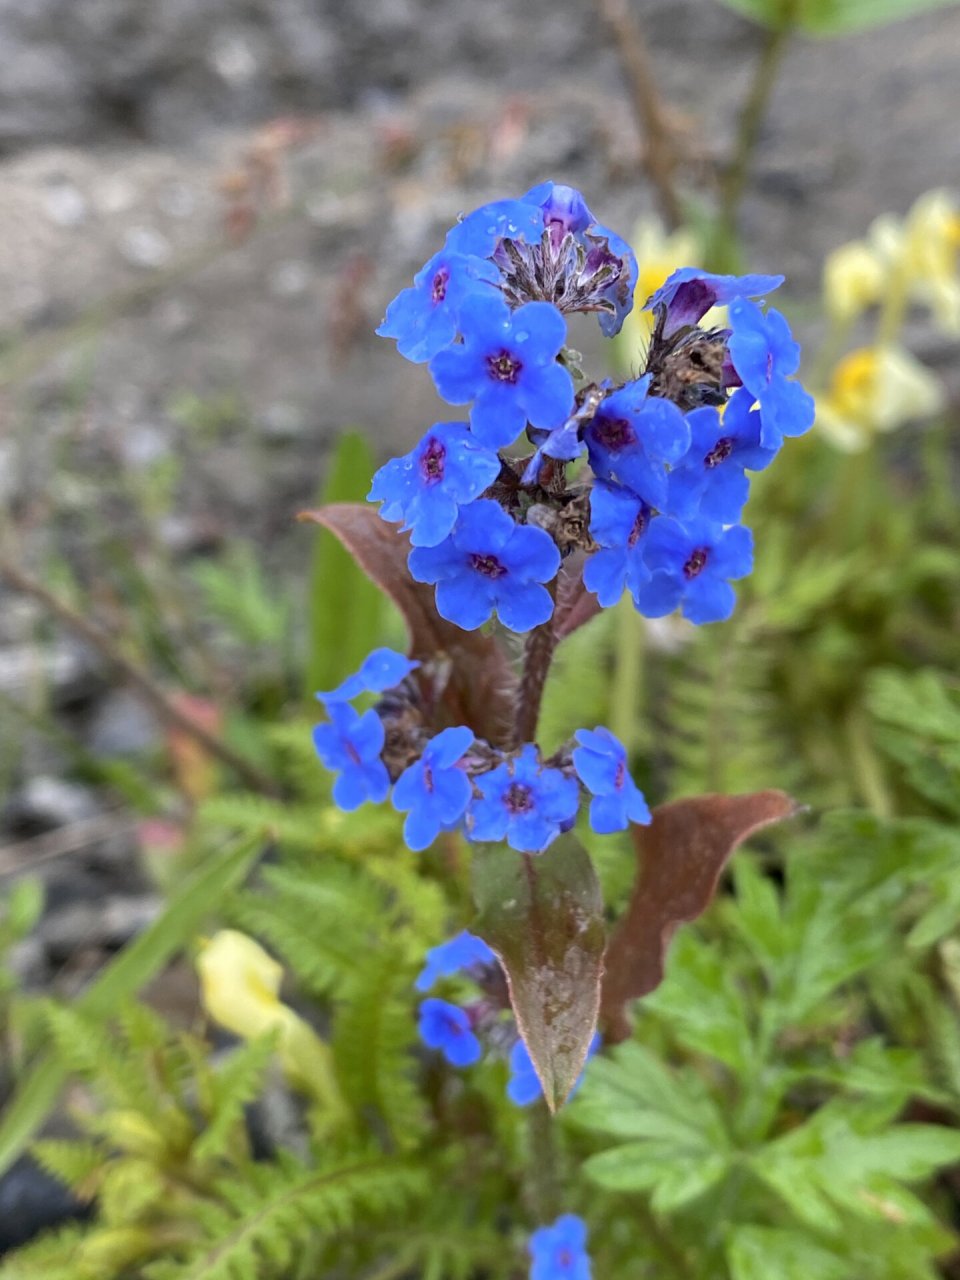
(656, 513)
(559, 1252)
(456, 781)
(452, 1029)
(669, 451)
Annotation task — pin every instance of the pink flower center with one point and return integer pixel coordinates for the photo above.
(614, 433)
(432, 460)
(639, 527)
(488, 566)
(719, 453)
(504, 366)
(695, 564)
(518, 798)
(438, 290)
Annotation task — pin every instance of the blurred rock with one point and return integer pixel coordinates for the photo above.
(146, 247)
(31, 1201)
(63, 672)
(122, 725)
(45, 803)
(105, 925)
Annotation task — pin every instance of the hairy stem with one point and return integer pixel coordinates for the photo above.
(151, 693)
(537, 656)
(752, 116)
(543, 1175)
(647, 105)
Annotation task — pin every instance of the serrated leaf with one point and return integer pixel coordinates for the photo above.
(680, 1147)
(680, 857)
(480, 688)
(759, 1253)
(200, 893)
(543, 916)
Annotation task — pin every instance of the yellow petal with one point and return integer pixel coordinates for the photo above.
(876, 389)
(854, 276)
(240, 983)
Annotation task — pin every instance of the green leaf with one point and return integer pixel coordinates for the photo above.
(760, 1253)
(846, 1156)
(345, 610)
(703, 1003)
(200, 894)
(831, 17)
(543, 916)
(681, 1146)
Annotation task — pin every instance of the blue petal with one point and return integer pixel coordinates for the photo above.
(521, 607)
(466, 600)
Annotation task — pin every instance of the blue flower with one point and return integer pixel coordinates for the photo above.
(601, 764)
(620, 291)
(427, 486)
(632, 437)
(434, 789)
(524, 1086)
(480, 232)
(619, 521)
(690, 565)
(564, 209)
(425, 318)
(461, 952)
(352, 743)
(380, 670)
(524, 803)
(710, 479)
(764, 355)
(490, 563)
(446, 1027)
(606, 254)
(507, 365)
(687, 295)
(559, 1252)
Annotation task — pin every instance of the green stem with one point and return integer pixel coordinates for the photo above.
(752, 115)
(866, 766)
(648, 106)
(542, 1176)
(626, 689)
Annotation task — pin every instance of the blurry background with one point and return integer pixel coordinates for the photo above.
(204, 210)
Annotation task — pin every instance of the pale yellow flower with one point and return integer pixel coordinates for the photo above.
(875, 389)
(240, 987)
(658, 255)
(854, 277)
(932, 256)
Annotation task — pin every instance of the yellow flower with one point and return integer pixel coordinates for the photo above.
(854, 276)
(931, 253)
(240, 987)
(658, 254)
(875, 389)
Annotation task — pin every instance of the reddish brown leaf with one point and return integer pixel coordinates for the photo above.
(481, 687)
(543, 916)
(575, 604)
(680, 857)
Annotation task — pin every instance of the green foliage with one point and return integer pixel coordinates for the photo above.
(832, 17)
(743, 1112)
(345, 609)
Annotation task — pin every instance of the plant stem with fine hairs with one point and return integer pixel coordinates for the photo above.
(751, 120)
(647, 105)
(537, 656)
